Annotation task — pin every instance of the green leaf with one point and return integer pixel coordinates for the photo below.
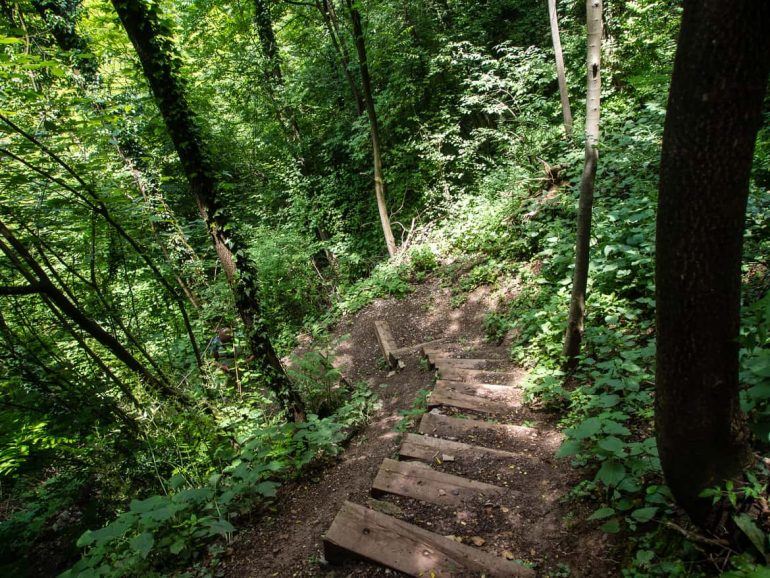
(749, 527)
(86, 539)
(602, 513)
(267, 489)
(568, 448)
(611, 473)
(143, 543)
(644, 514)
(221, 527)
(177, 546)
(612, 444)
(589, 427)
(614, 428)
(611, 527)
(644, 557)
(151, 503)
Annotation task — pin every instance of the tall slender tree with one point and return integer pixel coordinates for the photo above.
(152, 41)
(714, 111)
(577, 306)
(560, 74)
(371, 112)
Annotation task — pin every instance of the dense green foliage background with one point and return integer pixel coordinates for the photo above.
(478, 172)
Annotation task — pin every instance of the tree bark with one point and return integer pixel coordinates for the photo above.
(560, 74)
(575, 321)
(158, 58)
(366, 84)
(714, 112)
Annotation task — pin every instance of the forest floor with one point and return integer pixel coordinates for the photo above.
(542, 528)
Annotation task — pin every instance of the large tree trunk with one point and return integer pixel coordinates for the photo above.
(563, 92)
(366, 84)
(714, 112)
(574, 334)
(157, 55)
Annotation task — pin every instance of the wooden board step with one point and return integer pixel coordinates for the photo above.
(491, 391)
(445, 426)
(464, 374)
(406, 548)
(484, 398)
(387, 343)
(433, 450)
(418, 481)
(461, 363)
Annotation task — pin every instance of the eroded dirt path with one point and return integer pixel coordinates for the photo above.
(535, 523)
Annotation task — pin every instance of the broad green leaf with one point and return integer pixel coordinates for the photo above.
(267, 489)
(568, 448)
(749, 527)
(611, 444)
(611, 527)
(602, 513)
(221, 527)
(644, 514)
(587, 428)
(143, 543)
(611, 473)
(151, 503)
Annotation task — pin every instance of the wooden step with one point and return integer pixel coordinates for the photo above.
(387, 343)
(463, 374)
(416, 480)
(492, 391)
(406, 548)
(433, 450)
(461, 363)
(484, 398)
(452, 427)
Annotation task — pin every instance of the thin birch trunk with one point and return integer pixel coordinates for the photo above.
(575, 323)
(560, 74)
(379, 181)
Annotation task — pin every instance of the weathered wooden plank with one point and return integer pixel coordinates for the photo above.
(387, 342)
(461, 363)
(462, 374)
(485, 398)
(418, 346)
(452, 427)
(430, 449)
(407, 548)
(505, 394)
(416, 480)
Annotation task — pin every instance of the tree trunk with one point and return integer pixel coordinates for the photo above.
(714, 113)
(574, 334)
(366, 84)
(563, 92)
(156, 53)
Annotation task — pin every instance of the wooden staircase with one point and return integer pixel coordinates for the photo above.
(464, 385)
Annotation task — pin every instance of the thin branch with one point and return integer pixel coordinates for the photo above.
(7, 290)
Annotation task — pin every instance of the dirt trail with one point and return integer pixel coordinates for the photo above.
(288, 540)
